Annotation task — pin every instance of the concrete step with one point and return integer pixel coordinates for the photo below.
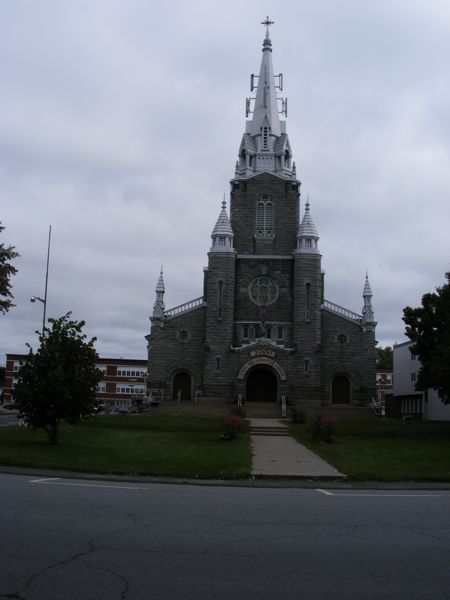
(272, 431)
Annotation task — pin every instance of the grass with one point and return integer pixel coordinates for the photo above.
(132, 445)
(385, 450)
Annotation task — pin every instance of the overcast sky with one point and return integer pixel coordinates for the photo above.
(120, 124)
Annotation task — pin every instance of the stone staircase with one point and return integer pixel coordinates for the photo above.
(262, 410)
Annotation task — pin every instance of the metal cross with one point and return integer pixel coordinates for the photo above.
(267, 23)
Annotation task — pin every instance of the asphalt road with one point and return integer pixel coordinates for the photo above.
(86, 539)
(8, 418)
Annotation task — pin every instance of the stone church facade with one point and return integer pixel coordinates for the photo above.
(262, 331)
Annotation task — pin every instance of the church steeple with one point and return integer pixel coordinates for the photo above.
(265, 144)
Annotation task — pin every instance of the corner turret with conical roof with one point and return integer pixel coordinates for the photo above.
(368, 318)
(265, 145)
(158, 307)
(307, 237)
(222, 235)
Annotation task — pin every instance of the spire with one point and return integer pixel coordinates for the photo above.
(307, 236)
(158, 307)
(265, 144)
(222, 234)
(368, 318)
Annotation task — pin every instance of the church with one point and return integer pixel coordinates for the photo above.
(262, 330)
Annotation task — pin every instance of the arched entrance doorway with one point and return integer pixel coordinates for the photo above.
(340, 390)
(182, 386)
(261, 385)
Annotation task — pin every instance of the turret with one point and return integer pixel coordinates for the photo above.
(222, 234)
(158, 307)
(307, 237)
(368, 319)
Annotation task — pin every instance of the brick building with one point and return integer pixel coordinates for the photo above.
(262, 329)
(124, 379)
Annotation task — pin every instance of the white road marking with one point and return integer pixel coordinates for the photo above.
(90, 485)
(45, 480)
(380, 494)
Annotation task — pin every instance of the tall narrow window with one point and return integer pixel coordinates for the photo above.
(220, 298)
(306, 364)
(265, 138)
(217, 363)
(264, 217)
(308, 301)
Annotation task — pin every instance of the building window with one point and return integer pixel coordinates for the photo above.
(130, 372)
(183, 335)
(245, 332)
(413, 377)
(217, 363)
(306, 365)
(307, 301)
(265, 138)
(263, 290)
(341, 338)
(220, 297)
(280, 333)
(101, 388)
(123, 388)
(264, 217)
(413, 356)
(268, 331)
(102, 368)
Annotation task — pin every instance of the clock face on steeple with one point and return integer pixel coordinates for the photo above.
(263, 290)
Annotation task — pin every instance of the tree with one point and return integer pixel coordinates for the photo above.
(429, 328)
(385, 357)
(6, 271)
(58, 382)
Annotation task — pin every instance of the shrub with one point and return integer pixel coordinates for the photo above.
(299, 414)
(324, 429)
(232, 425)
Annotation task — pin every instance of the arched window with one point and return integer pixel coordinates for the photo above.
(264, 217)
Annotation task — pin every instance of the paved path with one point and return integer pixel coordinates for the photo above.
(282, 456)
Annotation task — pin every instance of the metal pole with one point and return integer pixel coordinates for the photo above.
(46, 279)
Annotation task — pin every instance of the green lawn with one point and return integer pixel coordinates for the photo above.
(385, 450)
(137, 445)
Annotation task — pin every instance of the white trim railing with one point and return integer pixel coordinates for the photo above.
(342, 311)
(172, 312)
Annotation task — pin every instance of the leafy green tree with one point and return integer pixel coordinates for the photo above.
(58, 382)
(385, 357)
(7, 253)
(428, 326)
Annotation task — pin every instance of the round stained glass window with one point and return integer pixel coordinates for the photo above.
(263, 290)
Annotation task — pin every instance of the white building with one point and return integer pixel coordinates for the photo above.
(426, 405)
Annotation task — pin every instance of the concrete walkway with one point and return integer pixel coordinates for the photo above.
(282, 456)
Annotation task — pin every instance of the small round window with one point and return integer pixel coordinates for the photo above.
(263, 290)
(342, 339)
(183, 335)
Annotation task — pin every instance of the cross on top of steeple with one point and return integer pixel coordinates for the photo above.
(267, 23)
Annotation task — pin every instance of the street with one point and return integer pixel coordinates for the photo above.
(93, 539)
